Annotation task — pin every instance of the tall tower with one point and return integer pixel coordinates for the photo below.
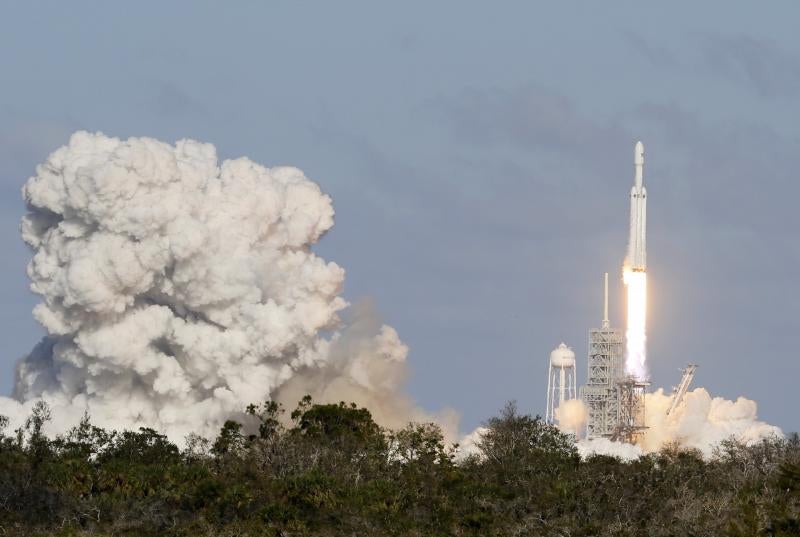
(561, 384)
(606, 368)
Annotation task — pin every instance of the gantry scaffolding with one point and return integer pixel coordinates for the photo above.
(680, 390)
(631, 422)
(601, 392)
(605, 369)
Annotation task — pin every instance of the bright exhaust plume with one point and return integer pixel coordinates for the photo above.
(636, 333)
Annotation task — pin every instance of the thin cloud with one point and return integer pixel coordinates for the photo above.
(657, 56)
(171, 101)
(545, 124)
(769, 70)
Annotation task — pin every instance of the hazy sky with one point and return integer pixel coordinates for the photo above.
(479, 155)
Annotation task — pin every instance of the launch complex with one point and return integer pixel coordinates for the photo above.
(614, 399)
(617, 380)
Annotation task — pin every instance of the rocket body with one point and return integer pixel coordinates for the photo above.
(637, 246)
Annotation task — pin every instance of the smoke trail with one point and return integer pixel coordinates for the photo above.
(635, 334)
(177, 289)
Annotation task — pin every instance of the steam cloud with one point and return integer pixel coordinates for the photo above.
(571, 416)
(176, 290)
(700, 422)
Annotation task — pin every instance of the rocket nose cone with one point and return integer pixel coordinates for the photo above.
(638, 153)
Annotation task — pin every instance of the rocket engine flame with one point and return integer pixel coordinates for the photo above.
(636, 335)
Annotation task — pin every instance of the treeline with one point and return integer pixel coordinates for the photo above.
(333, 471)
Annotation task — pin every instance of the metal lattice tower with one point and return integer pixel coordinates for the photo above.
(601, 393)
(631, 422)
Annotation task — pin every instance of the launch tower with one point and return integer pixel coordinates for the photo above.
(630, 423)
(606, 368)
(614, 400)
(615, 388)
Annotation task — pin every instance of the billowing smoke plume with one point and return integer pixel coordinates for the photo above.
(177, 289)
(700, 422)
(604, 446)
(365, 363)
(571, 416)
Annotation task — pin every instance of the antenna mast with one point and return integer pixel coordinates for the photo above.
(606, 323)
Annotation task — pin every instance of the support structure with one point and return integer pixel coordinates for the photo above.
(606, 323)
(680, 390)
(605, 368)
(631, 421)
(614, 400)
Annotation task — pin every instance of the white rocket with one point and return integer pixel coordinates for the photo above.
(637, 247)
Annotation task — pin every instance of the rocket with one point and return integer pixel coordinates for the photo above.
(637, 247)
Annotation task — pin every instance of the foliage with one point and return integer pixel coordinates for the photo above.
(329, 469)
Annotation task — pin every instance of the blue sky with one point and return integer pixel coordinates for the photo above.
(479, 156)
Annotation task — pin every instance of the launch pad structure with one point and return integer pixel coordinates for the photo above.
(614, 401)
(614, 393)
(679, 391)
(616, 385)
(630, 424)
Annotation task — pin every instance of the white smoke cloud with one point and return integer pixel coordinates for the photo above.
(699, 422)
(469, 445)
(604, 446)
(177, 289)
(571, 416)
(702, 422)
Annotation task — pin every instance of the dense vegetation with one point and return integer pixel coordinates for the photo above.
(333, 471)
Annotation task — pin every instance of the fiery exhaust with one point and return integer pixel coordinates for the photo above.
(636, 336)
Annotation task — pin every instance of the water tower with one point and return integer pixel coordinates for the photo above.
(560, 380)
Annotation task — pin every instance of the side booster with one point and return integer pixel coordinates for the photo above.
(637, 247)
